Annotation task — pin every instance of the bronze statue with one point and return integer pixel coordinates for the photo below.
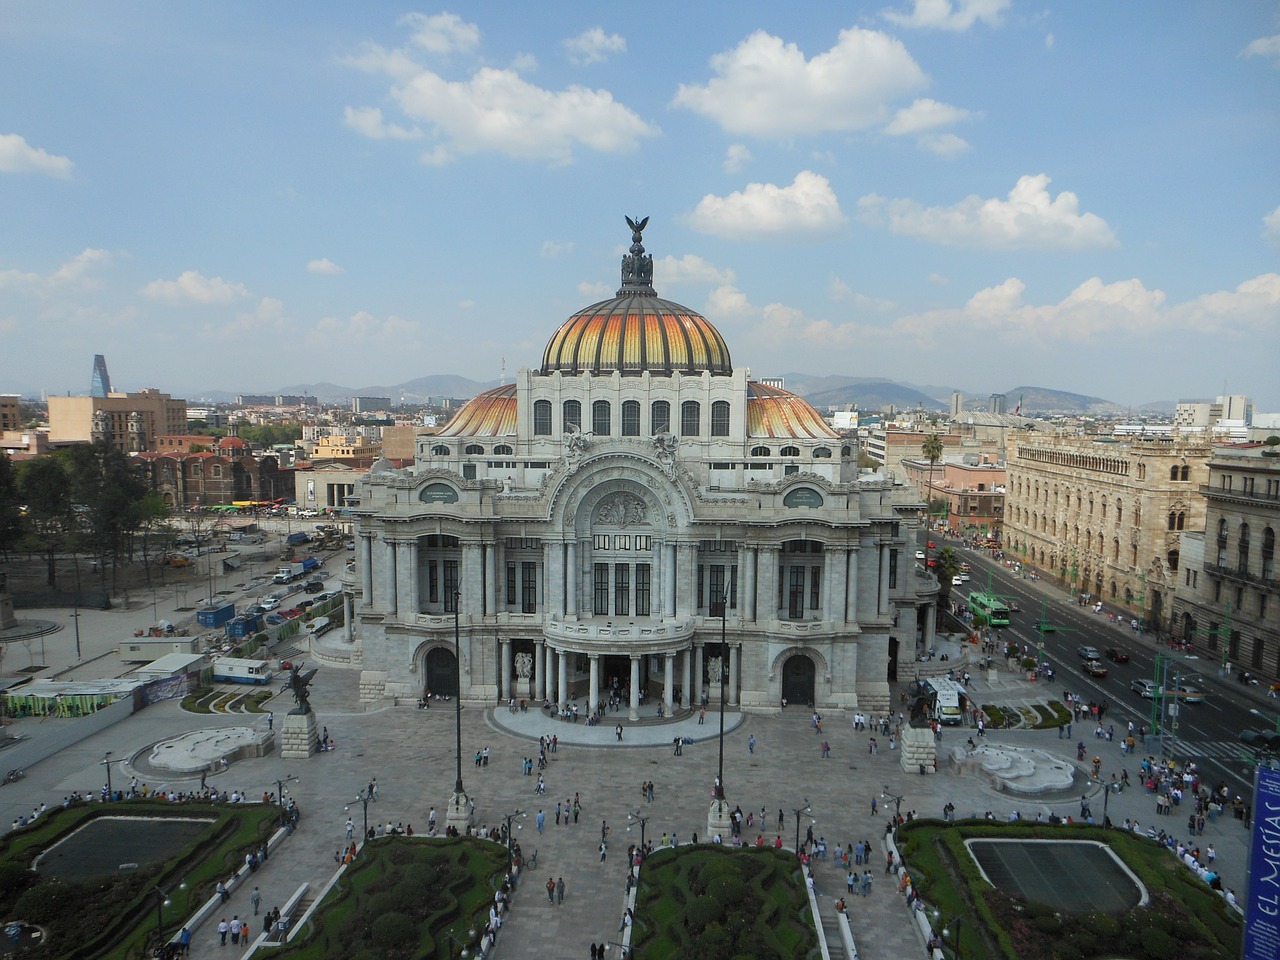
(298, 683)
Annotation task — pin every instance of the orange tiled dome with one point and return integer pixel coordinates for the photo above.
(637, 332)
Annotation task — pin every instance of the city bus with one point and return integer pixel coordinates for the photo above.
(988, 605)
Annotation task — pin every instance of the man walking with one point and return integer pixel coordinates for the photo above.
(351, 828)
(560, 890)
(256, 899)
(751, 743)
(542, 820)
(551, 890)
(617, 732)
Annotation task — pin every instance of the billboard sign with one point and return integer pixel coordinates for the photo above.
(1262, 908)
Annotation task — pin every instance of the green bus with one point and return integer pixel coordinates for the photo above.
(988, 605)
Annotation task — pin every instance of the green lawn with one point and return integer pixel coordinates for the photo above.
(720, 903)
(401, 898)
(1184, 920)
(114, 916)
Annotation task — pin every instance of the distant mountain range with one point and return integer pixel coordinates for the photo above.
(824, 392)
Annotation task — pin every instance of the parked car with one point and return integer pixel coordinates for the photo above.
(1117, 656)
(1088, 653)
(312, 586)
(919, 554)
(269, 603)
(1144, 688)
(274, 619)
(327, 595)
(1095, 668)
(957, 580)
(291, 613)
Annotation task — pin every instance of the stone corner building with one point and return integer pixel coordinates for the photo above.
(580, 527)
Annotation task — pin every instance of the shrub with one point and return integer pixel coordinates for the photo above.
(392, 932)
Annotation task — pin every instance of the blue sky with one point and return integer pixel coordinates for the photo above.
(981, 193)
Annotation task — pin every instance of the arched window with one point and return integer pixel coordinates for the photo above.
(690, 418)
(1242, 549)
(502, 450)
(1173, 473)
(1115, 550)
(1119, 512)
(1182, 520)
(720, 418)
(846, 451)
(1268, 553)
(474, 448)
(1186, 473)
(822, 453)
(571, 415)
(439, 450)
(601, 418)
(1173, 520)
(631, 418)
(542, 418)
(1173, 561)
(761, 452)
(1222, 543)
(659, 417)
(790, 451)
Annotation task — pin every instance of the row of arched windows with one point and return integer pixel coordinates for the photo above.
(1268, 554)
(602, 424)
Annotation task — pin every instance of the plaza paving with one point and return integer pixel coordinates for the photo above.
(411, 753)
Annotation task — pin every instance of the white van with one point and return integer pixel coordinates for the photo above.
(948, 701)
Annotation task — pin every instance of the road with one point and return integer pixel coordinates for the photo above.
(1207, 733)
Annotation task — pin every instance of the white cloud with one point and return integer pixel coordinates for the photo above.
(925, 114)
(959, 15)
(1271, 226)
(837, 289)
(194, 287)
(467, 304)
(18, 156)
(728, 303)
(944, 144)
(767, 88)
(594, 46)
(1254, 305)
(553, 248)
(1048, 41)
(524, 63)
(74, 271)
(841, 292)
(1264, 47)
(598, 290)
(736, 157)
(324, 266)
(369, 121)
(442, 32)
(808, 207)
(492, 110)
(690, 268)
(364, 328)
(1029, 219)
(267, 317)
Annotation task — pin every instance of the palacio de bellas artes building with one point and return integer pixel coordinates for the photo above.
(580, 528)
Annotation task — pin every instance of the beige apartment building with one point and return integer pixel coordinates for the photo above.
(10, 418)
(129, 421)
(1104, 515)
(1228, 600)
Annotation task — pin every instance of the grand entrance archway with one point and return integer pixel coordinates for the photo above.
(441, 672)
(798, 675)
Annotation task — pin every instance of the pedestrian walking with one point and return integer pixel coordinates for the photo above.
(256, 899)
(751, 743)
(604, 850)
(551, 890)
(866, 883)
(560, 890)
(617, 732)
(223, 929)
(351, 828)
(874, 806)
(542, 820)
(271, 720)
(826, 750)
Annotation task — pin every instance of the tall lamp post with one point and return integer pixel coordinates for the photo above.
(634, 817)
(162, 901)
(799, 812)
(510, 818)
(106, 761)
(280, 793)
(363, 799)
(455, 943)
(459, 816)
(947, 923)
(718, 818)
(75, 618)
(897, 808)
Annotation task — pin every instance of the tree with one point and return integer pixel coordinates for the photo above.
(932, 449)
(10, 506)
(45, 486)
(947, 565)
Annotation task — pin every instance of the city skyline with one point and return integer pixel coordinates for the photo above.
(974, 192)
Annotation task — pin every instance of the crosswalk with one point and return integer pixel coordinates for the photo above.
(1198, 749)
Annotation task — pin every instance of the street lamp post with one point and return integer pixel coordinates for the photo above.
(459, 816)
(799, 811)
(75, 618)
(635, 817)
(363, 798)
(718, 820)
(455, 943)
(162, 901)
(280, 793)
(509, 818)
(957, 921)
(106, 762)
(897, 808)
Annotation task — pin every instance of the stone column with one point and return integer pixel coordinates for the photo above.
(490, 581)
(563, 685)
(851, 586)
(366, 569)
(552, 693)
(389, 579)
(572, 578)
(669, 578)
(696, 696)
(657, 583)
(930, 613)
(593, 694)
(633, 709)
(668, 681)
(407, 579)
(747, 569)
(687, 566)
(882, 606)
(500, 576)
(539, 676)
(733, 674)
(829, 580)
(348, 626)
(472, 581)
(767, 585)
(685, 678)
(504, 688)
(553, 581)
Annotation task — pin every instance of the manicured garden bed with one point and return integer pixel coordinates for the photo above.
(1184, 919)
(114, 915)
(403, 897)
(721, 903)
